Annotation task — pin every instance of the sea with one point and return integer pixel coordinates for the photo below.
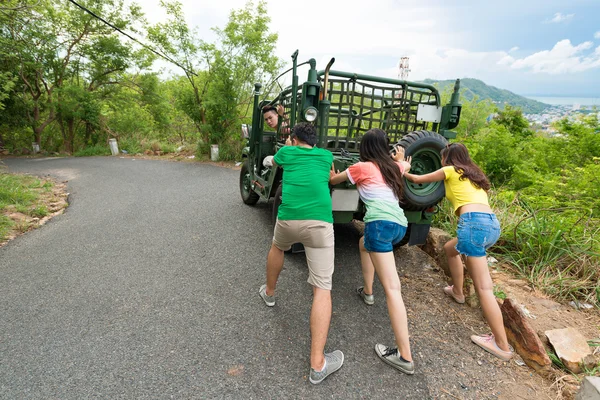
(567, 101)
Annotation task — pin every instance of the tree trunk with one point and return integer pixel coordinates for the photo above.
(71, 135)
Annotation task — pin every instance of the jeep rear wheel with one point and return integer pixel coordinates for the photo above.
(248, 195)
(424, 147)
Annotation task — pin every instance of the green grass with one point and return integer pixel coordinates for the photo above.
(17, 190)
(97, 150)
(556, 250)
(499, 293)
(39, 211)
(5, 226)
(557, 362)
(20, 193)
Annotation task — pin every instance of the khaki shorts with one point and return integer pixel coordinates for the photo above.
(318, 241)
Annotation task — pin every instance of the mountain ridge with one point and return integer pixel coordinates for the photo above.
(471, 87)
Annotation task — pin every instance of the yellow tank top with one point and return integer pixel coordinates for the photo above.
(460, 193)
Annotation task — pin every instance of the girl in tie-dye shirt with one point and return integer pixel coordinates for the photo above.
(378, 178)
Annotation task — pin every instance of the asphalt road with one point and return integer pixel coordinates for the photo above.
(147, 287)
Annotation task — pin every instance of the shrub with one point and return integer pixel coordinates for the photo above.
(130, 145)
(97, 150)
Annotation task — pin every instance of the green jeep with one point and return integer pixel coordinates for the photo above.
(343, 106)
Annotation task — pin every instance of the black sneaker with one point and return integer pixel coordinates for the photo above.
(390, 356)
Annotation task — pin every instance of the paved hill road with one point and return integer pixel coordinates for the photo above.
(147, 287)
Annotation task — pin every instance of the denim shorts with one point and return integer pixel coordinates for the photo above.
(381, 236)
(476, 233)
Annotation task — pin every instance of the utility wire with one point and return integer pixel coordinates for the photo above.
(134, 39)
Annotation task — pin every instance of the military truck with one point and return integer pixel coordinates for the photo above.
(343, 106)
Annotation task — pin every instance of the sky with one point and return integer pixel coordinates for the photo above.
(530, 47)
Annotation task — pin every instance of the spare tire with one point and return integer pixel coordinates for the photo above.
(424, 147)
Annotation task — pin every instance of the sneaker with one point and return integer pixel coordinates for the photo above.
(369, 299)
(390, 356)
(449, 290)
(488, 343)
(333, 362)
(269, 300)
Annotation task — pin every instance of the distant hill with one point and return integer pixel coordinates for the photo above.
(475, 87)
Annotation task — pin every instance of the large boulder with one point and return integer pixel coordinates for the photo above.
(523, 337)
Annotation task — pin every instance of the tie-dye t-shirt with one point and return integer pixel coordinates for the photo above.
(379, 198)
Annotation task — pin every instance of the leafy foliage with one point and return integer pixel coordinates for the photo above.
(547, 197)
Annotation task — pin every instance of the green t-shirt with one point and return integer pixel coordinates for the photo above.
(305, 183)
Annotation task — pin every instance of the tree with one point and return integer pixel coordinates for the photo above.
(180, 43)
(221, 74)
(54, 44)
(242, 56)
(512, 118)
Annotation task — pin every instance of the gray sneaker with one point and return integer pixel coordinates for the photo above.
(390, 356)
(369, 299)
(269, 300)
(333, 362)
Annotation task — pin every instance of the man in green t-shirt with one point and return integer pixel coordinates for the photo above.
(305, 217)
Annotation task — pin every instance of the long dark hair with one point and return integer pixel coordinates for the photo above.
(457, 156)
(374, 147)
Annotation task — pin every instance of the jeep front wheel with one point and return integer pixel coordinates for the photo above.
(248, 195)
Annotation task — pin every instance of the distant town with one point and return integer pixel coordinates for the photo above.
(544, 121)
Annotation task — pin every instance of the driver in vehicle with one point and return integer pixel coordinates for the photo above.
(272, 115)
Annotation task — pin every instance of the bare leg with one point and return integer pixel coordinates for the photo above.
(274, 267)
(385, 265)
(482, 281)
(456, 266)
(320, 317)
(367, 267)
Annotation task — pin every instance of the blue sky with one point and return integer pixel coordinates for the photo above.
(531, 47)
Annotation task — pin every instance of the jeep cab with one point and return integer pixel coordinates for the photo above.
(343, 106)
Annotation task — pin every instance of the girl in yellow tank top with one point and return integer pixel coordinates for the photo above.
(478, 229)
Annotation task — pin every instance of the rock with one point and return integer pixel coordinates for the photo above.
(523, 338)
(549, 304)
(580, 306)
(517, 282)
(412, 256)
(434, 246)
(471, 298)
(590, 389)
(148, 152)
(544, 339)
(591, 361)
(4, 152)
(570, 346)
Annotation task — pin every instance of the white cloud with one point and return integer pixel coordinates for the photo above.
(563, 58)
(558, 18)
(597, 35)
(370, 41)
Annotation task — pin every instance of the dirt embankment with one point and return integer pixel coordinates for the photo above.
(461, 370)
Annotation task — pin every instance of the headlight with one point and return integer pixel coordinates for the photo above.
(310, 114)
